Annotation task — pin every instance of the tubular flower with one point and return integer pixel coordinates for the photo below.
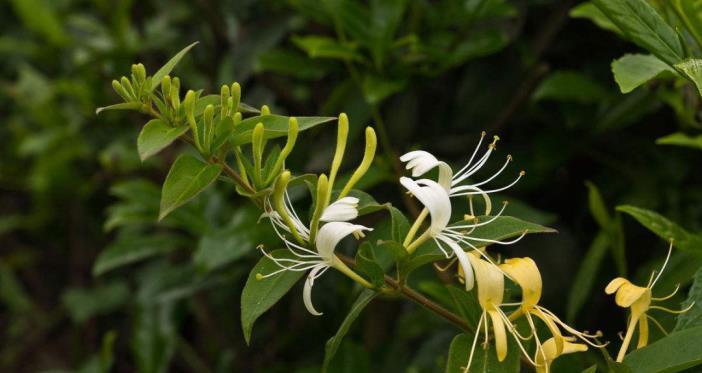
(638, 300)
(491, 286)
(344, 209)
(421, 162)
(526, 274)
(320, 259)
(550, 351)
(436, 201)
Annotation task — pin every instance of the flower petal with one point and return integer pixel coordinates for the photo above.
(307, 290)
(344, 209)
(498, 327)
(615, 284)
(468, 276)
(525, 272)
(331, 233)
(435, 198)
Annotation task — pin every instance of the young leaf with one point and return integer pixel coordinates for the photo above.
(644, 26)
(633, 70)
(187, 178)
(260, 295)
(120, 106)
(484, 359)
(664, 228)
(598, 209)
(692, 68)
(333, 343)
(275, 126)
(155, 136)
(168, 67)
(676, 352)
(681, 139)
(693, 317)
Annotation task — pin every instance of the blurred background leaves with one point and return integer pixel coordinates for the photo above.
(90, 281)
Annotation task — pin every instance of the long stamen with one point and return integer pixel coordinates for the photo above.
(521, 174)
(584, 336)
(665, 263)
(498, 242)
(464, 174)
(446, 253)
(475, 341)
(677, 287)
(539, 346)
(475, 151)
(509, 159)
(445, 268)
(676, 312)
(492, 219)
(512, 330)
(665, 332)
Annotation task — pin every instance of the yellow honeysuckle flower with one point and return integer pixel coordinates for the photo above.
(491, 286)
(550, 351)
(525, 273)
(638, 300)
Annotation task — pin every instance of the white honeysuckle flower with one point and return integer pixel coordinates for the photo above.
(421, 162)
(436, 200)
(319, 260)
(344, 209)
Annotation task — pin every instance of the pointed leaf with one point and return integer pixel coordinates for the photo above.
(333, 343)
(692, 68)
(640, 22)
(133, 249)
(681, 139)
(633, 70)
(168, 67)
(155, 136)
(260, 295)
(693, 317)
(187, 178)
(665, 228)
(120, 106)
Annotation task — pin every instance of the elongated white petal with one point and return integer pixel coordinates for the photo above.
(421, 162)
(331, 233)
(344, 209)
(463, 260)
(434, 197)
(307, 290)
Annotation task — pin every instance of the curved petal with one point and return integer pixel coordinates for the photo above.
(307, 290)
(491, 282)
(434, 198)
(629, 293)
(615, 284)
(468, 276)
(331, 233)
(344, 209)
(525, 272)
(498, 328)
(421, 162)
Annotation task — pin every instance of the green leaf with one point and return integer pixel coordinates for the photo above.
(168, 67)
(598, 209)
(505, 227)
(690, 13)
(586, 275)
(366, 263)
(588, 10)
(640, 22)
(39, 16)
(275, 126)
(676, 352)
(260, 295)
(664, 228)
(693, 317)
(681, 139)
(324, 47)
(692, 68)
(633, 70)
(120, 106)
(484, 360)
(592, 369)
(155, 136)
(187, 178)
(223, 131)
(226, 244)
(400, 226)
(377, 88)
(133, 249)
(570, 86)
(333, 343)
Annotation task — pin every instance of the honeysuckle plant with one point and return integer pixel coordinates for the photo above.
(235, 142)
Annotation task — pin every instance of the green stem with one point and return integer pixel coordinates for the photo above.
(415, 227)
(419, 241)
(339, 265)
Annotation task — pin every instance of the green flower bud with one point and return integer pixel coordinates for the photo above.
(175, 92)
(166, 87)
(224, 100)
(120, 90)
(236, 95)
(257, 144)
(265, 110)
(368, 155)
(341, 138)
(127, 85)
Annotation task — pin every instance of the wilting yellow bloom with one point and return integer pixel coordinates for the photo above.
(638, 300)
(549, 352)
(491, 286)
(526, 274)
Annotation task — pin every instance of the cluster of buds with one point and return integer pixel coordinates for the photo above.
(137, 89)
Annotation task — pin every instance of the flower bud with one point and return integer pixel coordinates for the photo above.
(236, 95)
(120, 91)
(166, 87)
(265, 110)
(368, 155)
(224, 100)
(175, 92)
(127, 85)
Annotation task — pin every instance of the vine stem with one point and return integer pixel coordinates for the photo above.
(418, 298)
